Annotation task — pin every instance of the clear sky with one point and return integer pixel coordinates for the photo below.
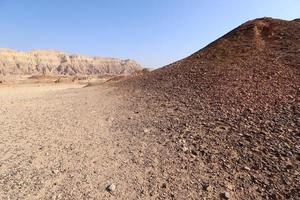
(152, 32)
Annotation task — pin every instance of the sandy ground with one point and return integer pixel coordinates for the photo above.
(56, 143)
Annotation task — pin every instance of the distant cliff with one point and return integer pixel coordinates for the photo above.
(37, 62)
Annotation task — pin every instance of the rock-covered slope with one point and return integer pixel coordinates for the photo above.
(38, 62)
(229, 114)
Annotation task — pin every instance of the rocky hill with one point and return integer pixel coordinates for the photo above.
(38, 62)
(228, 115)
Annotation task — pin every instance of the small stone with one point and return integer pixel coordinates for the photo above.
(208, 188)
(194, 153)
(111, 188)
(185, 149)
(110, 119)
(247, 168)
(229, 186)
(250, 110)
(146, 130)
(59, 196)
(225, 195)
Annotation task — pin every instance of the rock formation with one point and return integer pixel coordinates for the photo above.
(38, 62)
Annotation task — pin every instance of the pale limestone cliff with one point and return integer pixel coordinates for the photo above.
(37, 62)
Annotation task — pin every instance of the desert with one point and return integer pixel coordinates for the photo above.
(222, 123)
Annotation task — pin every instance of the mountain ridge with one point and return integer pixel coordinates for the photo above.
(39, 62)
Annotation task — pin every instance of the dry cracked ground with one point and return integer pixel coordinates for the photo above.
(63, 142)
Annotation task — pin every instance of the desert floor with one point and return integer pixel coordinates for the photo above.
(56, 142)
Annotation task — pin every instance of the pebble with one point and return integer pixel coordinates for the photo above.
(185, 149)
(229, 186)
(225, 195)
(146, 130)
(208, 188)
(111, 188)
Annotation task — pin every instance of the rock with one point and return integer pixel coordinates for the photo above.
(194, 153)
(208, 188)
(247, 168)
(185, 149)
(41, 62)
(225, 195)
(111, 188)
(229, 186)
(146, 130)
(55, 171)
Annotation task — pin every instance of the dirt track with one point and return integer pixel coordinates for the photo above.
(56, 143)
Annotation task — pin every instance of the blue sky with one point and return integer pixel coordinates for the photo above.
(152, 32)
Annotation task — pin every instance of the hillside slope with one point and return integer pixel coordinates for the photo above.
(228, 115)
(58, 63)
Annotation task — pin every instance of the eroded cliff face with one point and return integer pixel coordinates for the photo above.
(37, 62)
